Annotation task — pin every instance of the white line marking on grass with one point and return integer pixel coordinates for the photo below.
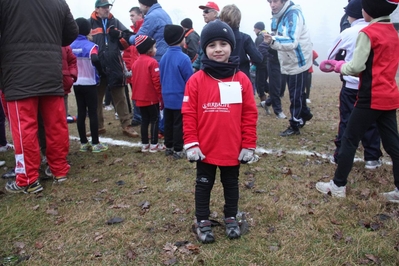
(258, 150)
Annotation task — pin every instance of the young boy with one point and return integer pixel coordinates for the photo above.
(175, 70)
(147, 92)
(85, 87)
(219, 125)
(375, 60)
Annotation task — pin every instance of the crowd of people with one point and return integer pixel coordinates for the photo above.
(189, 88)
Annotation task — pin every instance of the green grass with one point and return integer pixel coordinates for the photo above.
(290, 222)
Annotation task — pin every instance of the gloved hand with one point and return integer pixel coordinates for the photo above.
(246, 155)
(194, 154)
(327, 65)
(338, 66)
(114, 32)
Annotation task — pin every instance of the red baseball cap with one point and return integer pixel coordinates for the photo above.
(211, 5)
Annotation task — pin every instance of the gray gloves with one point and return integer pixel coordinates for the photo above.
(194, 154)
(246, 155)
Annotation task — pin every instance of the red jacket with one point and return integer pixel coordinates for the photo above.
(221, 130)
(130, 54)
(69, 68)
(146, 80)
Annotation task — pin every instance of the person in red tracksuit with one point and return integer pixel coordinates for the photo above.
(219, 125)
(31, 65)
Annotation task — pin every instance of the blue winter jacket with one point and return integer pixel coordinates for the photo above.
(153, 26)
(175, 69)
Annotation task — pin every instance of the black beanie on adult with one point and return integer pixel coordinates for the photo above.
(354, 9)
(148, 2)
(379, 8)
(187, 23)
(217, 30)
(173, 34)
(84, 26)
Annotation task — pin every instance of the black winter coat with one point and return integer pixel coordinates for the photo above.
(109, 49)
(32, 33)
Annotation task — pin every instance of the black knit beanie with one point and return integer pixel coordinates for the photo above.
(259, 25)
(84, 26)
(148, 2)
(173, 34)
(354, 9)
(143, 43)
(379, 8)
(187, 23)
(217, 30)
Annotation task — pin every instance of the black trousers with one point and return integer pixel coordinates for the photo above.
(261, 84)
(173, 129)
(206, 174)
(273, 68)
(86, 101)
(359, 121)
(149, 117)
(298, 107)
(371, 140)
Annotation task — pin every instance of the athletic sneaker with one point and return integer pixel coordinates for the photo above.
(12, 187)
(204, 232)
(100, 147)
(84, 147)
(145, 147)
(305, 119)
(289, 132)
(108, 108)
(371, 165)
(157, 147)
(169, 152)
(267, 108)
(330, 187)
(232, 228)
(179, 155)
(392, 196)
(281, 115)
(59, 179)
(6, 147)
(9, 174)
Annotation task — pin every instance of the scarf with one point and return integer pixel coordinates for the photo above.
(220, 70)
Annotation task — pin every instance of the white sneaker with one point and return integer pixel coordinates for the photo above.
(267, 108)
(108, 108)
(263, 104)
(371, 165)
(6, 147)
(145, 147)
(392, 196)
(308, 101)
(281, 116)
(330, 187)
(116, 116)
(157, 147)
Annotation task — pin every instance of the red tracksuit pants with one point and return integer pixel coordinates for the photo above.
(24, 127)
